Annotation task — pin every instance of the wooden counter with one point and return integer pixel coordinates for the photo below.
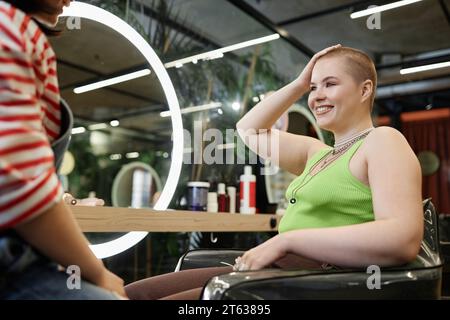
(111, 219)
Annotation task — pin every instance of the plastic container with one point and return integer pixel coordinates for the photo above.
(222, 197)
(140, 195)
(197, 195)
(247, 192)
(232, 199)
(212, 206)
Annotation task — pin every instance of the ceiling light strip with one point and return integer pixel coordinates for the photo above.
(218, 53)
(112, 81)
(97, 126)
(204, 107)
(425, 67)
(210, 55)
(385, 7)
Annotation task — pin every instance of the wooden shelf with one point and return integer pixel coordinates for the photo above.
(112, 219)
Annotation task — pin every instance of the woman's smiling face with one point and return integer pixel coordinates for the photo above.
(335, 96)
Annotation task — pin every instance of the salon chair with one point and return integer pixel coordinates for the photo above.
(420, 279)
(444, 227)
(61, 144)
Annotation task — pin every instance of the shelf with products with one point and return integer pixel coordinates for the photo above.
(112, 219)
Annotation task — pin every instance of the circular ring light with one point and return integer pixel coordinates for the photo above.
(91, 12)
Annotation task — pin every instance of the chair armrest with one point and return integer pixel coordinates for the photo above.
(204, 258)
(277, 284)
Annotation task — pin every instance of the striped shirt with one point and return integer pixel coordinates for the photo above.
(29, 119)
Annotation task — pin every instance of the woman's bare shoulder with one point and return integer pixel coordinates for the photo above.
(384, 131)
(387, 140)
(385, 135)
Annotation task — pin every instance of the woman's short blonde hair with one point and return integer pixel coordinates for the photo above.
(360, 66)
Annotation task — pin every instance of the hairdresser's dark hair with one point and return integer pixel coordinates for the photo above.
(30, 7)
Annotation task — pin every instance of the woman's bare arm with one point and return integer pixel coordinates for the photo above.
(286, 150)
(56, 235)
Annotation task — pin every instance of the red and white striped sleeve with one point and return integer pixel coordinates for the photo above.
(28, 182)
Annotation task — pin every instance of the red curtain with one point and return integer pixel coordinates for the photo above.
(428, 133)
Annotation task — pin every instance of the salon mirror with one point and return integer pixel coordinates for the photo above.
(115, 126)
(298, 120)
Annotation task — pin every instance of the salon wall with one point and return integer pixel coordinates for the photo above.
(430, 131)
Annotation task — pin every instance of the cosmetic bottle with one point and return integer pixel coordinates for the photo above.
(248, 192)
(212, 202)
(231, 199)
(222, 198)
(140, 189)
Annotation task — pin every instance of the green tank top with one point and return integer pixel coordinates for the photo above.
(331, 198)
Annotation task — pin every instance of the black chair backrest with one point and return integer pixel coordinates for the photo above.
(431, 227)
(61, 144)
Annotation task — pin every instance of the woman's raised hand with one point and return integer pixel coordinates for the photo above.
(305, 77)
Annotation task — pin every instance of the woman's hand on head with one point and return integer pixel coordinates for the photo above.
(305, 77)
(263, 255)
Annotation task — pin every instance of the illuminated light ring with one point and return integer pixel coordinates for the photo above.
(91, 12)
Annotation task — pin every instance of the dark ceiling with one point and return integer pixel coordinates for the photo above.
(412, 35)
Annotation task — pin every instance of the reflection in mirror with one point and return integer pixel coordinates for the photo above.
(114, 125)
(137, 185)
(300, 121)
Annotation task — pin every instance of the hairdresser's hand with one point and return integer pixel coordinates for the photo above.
(90, 202)
(304, 79)
(263, 255)
(111, 282)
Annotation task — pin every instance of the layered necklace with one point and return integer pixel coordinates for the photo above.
(351, 140)
(343, 145)
(329, 157)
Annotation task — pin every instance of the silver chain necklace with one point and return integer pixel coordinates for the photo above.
(349, 141)
(338, 148)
